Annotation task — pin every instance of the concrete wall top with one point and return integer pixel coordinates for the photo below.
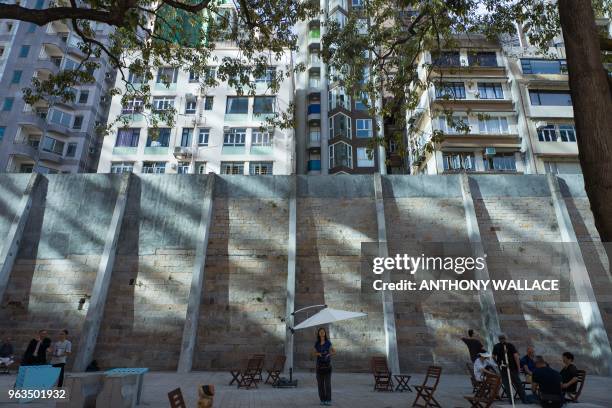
(502, 185)
(421, 186)
(572, 185)
(338, 186)
(12, 187)
(249, 186)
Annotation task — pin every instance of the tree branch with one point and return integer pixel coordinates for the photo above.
(44, 16)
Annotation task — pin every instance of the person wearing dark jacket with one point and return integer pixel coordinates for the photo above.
(36, 352)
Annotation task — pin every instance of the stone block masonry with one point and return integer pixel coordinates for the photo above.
(244, 295)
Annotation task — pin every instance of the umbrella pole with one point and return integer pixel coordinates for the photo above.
(510, 385)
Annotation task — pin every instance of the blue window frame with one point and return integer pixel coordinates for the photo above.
(24, 51)
(16, 77)
(550, 98)
(543, 66)
(8, 104)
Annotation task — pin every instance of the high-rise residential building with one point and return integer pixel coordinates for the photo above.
(333, 128)
(215, 129)
(50, 136)
(471, 102)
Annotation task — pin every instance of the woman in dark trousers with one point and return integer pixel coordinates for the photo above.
(323, 350)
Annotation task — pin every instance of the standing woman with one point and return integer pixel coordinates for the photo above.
(324, 351)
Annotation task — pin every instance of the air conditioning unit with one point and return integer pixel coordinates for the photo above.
(489, 151)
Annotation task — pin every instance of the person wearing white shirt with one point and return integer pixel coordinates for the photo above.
(484, 364)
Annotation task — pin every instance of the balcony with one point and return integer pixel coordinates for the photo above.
(26, 149)
(314, 165)
(314, 140)
(236, 117)
(476, 104)
(124, 150)
(183, 152)
(156, 151)
(314, 38)
(314, 112)
(164, 87)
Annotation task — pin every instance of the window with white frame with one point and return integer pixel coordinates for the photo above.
(340, 155)
(365, 157)
(167, 75)
(259, 138)
(338, 98)
(500, 162)
(267, 77)
(234, 137)
(237, 105)
(53, 145)
(154, 167)
(567, 133)
(260, 168)
(490, 90)
(493, 125)
(122, 167)
(200, 167)
(450, 90)
(158, 137)
(340, 126)
(135, 79)
(163, 103)
(59, 117)
(264, 105)
(190, 106)
(186, 136)
(452, 125)
(182, 168)
(132, 106)
(194, 77)
(363, 128)
(556, 132)
(232, 168)
(457, 161)
(128, 137)
(203, 135)
(362, 101)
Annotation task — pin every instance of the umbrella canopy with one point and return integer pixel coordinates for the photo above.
(327, 315)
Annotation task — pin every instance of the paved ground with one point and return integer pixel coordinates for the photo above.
(349, 391)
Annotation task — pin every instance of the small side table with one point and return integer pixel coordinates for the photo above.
(402, 382)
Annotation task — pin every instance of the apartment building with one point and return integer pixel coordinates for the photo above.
(470, 101)
(51, 136)
(215, 130)
(333, 128)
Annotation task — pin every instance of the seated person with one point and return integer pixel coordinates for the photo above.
(547, 384)
(484, 364)
(569, 373)
(528, 363)
(6, 353)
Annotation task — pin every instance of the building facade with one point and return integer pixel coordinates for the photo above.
(51, 136)
(215, 130)
(333, 128)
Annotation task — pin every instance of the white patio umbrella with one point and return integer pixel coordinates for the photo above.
(327, 315)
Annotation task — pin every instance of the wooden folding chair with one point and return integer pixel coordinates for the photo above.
(382, 376)
(237, 372)
(573, 396)
(261, 358)
(275, 371)
(248, 377)
(427, 390)
(469, 367)
(176, 399)
(487, 392)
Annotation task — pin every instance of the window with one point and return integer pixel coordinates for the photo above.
(71, 150)
(364, 128)
(453, 125)
(203, 137)
(135, 78)
(154, 167)
(554, 133)
(32, 28)
(26, 168)
(493, 125)
(201, 167)
(237, 105)
(132, 106)
(194, 77)
(263, 105)
(232, 168)
(260, 168)
(542, 66)
(500, 162)
(208, 103)
(166, 75)
(122, 167)
(446, 59)
(190, 106)
(158, 138)
(357, 3)
(24, 51)
(340, 126)
(362, 101)
(261, 138)
(550, 98)
(363, 157)
(163, 103)
(458, 161)
(53, 145)
(234, 137)
(70, 64)
(340, 155)
(490, 91)
(450, 90)
(61, 118)
(186, 137)
(83, 96)
(267, 77)
(128, 137)
(8, 104)
(182, 168)
(2, 130)
(339, 98)
(210, 73)
(482, 59)
(78, 122)
(16, 77)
